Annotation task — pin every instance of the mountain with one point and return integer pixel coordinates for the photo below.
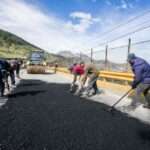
(13, 46)
(76, 57)
(66, 54)
(100, 64)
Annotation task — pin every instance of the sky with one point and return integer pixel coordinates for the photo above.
(79, 25)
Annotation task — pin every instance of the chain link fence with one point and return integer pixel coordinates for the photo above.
(115, 58)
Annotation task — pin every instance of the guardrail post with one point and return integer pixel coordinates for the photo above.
(106, 57)
(91, 55)
(129, 49)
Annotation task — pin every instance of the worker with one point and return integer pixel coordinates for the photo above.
(4, 72)
(2, 84)
(13, 66)
(56, 66)
(141, 83)
(91, 74)
(18, 67)
(77, 71)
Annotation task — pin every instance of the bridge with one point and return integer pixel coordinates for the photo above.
(42, 114)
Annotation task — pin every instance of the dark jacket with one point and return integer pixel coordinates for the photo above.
(141, 69)
(4, 68)
(2, 64)
(1, 68)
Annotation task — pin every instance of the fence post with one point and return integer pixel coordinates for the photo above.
(91, 55)
(129, 49)
(106, 57)
(80, 56)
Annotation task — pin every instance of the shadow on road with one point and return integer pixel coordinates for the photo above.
(24, 93)
(29, 84)
(46, 73)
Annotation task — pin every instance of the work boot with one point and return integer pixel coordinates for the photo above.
(78, 92)
(146, 106)
(135, 103)
(73, 88)
(90, 94)
(128, 108)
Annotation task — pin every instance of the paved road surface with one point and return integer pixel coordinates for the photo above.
(45, 116)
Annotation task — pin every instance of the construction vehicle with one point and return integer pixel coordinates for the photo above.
(36, 63)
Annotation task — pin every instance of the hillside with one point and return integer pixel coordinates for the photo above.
(76, 57)
(13, 46)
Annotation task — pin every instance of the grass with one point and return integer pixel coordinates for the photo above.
(14, 53)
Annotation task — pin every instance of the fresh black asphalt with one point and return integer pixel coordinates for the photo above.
(45, 116)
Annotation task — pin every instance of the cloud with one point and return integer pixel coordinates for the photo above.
(108, 2)
(81, 15)
(121, 4)
(94, 1)
(85, 21)
(124, 5)
(115, 18)
(45, 31)
(54, 34)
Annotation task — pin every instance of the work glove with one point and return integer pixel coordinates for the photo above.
(134, 85)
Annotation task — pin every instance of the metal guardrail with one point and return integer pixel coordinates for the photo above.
(120, 76)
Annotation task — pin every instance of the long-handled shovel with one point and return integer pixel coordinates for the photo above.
(120, 99)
